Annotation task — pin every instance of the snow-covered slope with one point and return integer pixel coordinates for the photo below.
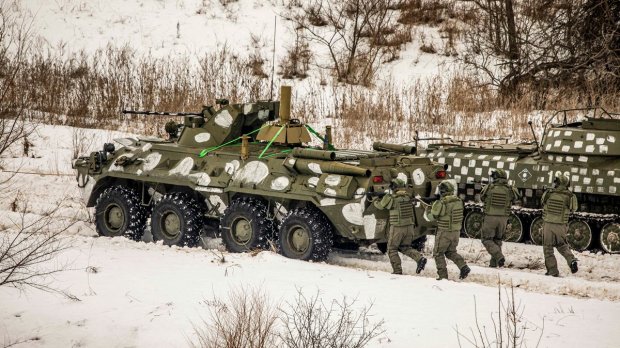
(141, 288)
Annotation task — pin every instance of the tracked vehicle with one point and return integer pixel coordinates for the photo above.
(587, 151)
(245, 174)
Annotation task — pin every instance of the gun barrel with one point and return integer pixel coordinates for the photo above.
(160, 113)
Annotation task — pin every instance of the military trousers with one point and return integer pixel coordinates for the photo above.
(554, 236)
(493, 230)
(400, 239)
(445, 246)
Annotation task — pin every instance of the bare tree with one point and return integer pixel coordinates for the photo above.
(29, 250)
(352, 32)
(546, 45)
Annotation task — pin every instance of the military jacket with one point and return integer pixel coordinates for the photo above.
(557, 204)
(401, 209)
(448, 211)
(498, 198)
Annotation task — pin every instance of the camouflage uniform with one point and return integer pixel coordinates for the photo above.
(401, 231)
(448, 212)
(557, 204)
(497, 197)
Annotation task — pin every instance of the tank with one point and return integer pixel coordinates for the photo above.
(586, 150)
(245, 172)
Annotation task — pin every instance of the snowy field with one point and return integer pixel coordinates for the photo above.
(119, 293)
(153, 295)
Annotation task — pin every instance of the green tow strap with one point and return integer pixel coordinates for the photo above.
(311, 130)
(206, 151)
(271, 142)
(278, 153)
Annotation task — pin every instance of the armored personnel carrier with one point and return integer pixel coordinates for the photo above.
(243, 173)
(587, 151)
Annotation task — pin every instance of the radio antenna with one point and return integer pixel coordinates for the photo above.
(273, 57)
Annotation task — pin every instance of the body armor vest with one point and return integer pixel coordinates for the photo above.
(452, 216)
(401, 213)
(498, 200)
(556, 207)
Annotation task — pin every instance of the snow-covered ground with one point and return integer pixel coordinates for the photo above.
(152, 295)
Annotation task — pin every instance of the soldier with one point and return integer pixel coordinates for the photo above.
(400, 235)
(498, 197)
(558, 202)
(448, 212)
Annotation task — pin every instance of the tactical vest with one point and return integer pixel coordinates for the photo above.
(556, 207)
(452, 216)
(401, 212)
(498, 200)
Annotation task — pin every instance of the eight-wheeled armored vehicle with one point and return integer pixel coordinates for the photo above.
(250, 176)
(587, 151)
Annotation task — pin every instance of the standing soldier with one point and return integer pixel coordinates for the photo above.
(448, 211)
(498, 197)
(401, 229)
(558, 202)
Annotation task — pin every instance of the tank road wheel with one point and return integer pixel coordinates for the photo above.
(473, 224)
(177, 220)
(514, 229)
(610, 238)
(245, 225)
(536, 234)
(119, 212)
(579, 235)
(306, 234)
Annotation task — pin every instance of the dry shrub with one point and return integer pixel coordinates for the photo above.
(296, 63)
(432, 12)
(309, 322)
(246, 320)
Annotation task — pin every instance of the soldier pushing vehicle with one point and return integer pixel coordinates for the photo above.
(448, 212)
(401, 231)
(558, 202)
(497, 197)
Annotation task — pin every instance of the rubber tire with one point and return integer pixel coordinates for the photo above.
(190, 215)
(319, 228)
(130, 202)
(253, 210)
(419, 243)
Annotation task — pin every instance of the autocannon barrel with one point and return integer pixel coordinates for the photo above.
(408, 149)
(314, 154)
(306, 166)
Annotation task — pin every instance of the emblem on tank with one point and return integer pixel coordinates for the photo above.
(525, 175)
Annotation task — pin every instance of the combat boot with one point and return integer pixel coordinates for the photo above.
(552, 275)
(421, 265)
(573, 266)
(501, 262)
(464, 272)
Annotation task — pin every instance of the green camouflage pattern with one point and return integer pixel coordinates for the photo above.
(218, 157)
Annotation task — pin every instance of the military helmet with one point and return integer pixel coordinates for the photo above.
(398, 183)
(499, 174)
(445, 187)
(561, 180)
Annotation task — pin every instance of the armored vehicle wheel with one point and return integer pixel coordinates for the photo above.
(610, 238)
(305, 234)
(119, 212)
(514, 229)
(579, 235)
(245, 225)
(473, 224)
(177, 220)
(536, 230)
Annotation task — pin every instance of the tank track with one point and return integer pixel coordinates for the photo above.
(594, 220)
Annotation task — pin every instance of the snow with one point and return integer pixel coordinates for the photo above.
(149, 295)
(153, 295)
